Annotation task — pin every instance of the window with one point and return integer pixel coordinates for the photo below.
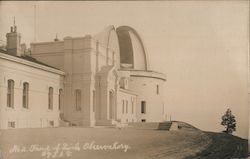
(113, 58)
(50, 99)
(122, 83)
(94, 101)
(25, 95)
(51, 123)
(132, 107)
(10, 94)
(123, 106)
(60, 99)
(126, 106)
(11, 124)
(143, 120)
(157, 89)
(143, 107)
(78, 99)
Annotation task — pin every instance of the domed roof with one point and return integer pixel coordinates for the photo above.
(108, 39)
(132, 50)
(128, 45)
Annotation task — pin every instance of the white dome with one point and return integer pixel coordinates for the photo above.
(132, 50)
(126, 42)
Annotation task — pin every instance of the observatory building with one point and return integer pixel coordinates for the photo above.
(94, 80)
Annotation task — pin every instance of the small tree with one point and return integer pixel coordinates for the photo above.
(228, 120)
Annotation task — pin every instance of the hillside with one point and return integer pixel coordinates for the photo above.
(223, 146)
(186, 143)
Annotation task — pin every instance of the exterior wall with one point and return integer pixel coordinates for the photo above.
(91, 65)
(106, 86)
(108, 39)
(50, 53)
(84, 58)
(81, 58)
(146, 88)
(102, 56)
(77, 65)
(249, 121)
(125, 113)
(37, 114)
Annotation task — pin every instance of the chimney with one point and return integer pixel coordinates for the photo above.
(13, 41)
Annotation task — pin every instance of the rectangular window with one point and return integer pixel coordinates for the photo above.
(11, 124)
(50, 99)
(78, 99)
(94, 101)
(10, 94)
(143, 107)
(60, 99)
(126, 107)
(113, 58)
(123, 106)
(25, 95)
(132, 107)
(157, 89)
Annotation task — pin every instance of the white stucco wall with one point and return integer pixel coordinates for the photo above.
(91, 63)
(146, 88)
(126, 115)
(108, 39)
(81, 58)
(139, 55)
(50, 53)
(38, 114)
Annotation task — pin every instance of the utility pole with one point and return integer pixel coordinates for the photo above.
(35, 22)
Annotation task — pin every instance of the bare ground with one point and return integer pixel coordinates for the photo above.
(185, 143)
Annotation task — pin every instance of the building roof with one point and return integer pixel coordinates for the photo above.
(26, 57)
(147, 73)
(126, 41)
(32, 60)
(132, 49)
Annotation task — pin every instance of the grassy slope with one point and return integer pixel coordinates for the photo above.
(185, 143)
(223, 146)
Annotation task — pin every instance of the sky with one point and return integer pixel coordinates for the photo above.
(201, 46)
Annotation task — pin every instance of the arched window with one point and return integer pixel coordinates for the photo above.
(25, 95)
(60, 99)
(78, 99)
(50, 99)
(10, 93)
